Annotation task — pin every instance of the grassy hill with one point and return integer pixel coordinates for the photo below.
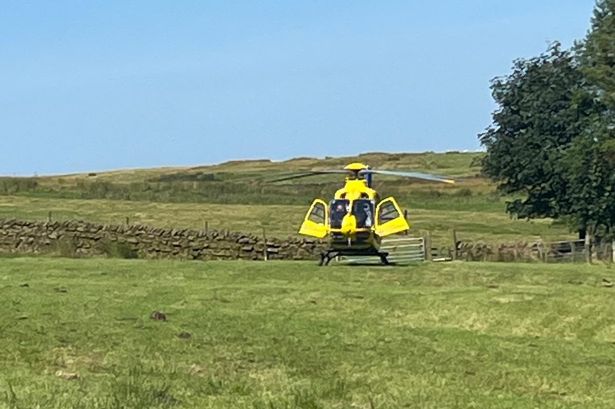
(240, 195)
(249, 182)
(77, 333)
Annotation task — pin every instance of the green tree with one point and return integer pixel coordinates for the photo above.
(590, 162)
(598, 53)
(542, 108)
(552, 141)
(589, 165)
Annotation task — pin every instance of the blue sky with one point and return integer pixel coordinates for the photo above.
(94, 85)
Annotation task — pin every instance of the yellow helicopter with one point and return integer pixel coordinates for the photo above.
(356, 220)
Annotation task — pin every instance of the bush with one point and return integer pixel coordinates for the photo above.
(114, 249)
(65, 247)
(465, 192)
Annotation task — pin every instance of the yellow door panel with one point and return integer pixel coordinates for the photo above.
(316, 222)
(390, 219)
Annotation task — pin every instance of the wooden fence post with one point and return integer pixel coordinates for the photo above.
(49, 217)
(265, 252)
(407, 232)
(613, 251)
(588, 246)
(427, 246)
(545, 255)
(454, 253)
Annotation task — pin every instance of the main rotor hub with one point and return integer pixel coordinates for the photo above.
(356, 167)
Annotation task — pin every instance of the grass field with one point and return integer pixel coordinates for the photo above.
(292, 335)
(277, 220)
(240, 196)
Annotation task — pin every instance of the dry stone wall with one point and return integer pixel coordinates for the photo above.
(78, 238)
(568, 251)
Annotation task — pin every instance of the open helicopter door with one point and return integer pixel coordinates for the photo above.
(389, 218)
(315, 223)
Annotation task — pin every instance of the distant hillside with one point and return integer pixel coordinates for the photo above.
(240, 196)
(249, 181)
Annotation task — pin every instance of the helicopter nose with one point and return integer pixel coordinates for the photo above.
(349, 224)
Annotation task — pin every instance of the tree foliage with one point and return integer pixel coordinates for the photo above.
(590, 170)
(542, 109)
(552, 142)
(591, 159)
(598, 55)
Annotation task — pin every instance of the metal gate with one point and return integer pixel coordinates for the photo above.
(402, 250)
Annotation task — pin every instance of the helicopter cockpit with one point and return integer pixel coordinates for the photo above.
(361, 209)
(337, 210)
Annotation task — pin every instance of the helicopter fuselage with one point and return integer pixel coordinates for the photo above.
(355, 226)
(356, 220)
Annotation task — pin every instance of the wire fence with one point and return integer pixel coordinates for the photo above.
(563, 251)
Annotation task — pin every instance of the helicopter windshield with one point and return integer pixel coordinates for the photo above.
(339, 209)
(363, 210)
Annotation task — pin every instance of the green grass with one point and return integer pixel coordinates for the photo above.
(292, 335)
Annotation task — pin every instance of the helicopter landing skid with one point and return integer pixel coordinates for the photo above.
(327, 256)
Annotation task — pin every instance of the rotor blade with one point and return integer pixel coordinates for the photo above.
(412, 175)
(310, 173)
